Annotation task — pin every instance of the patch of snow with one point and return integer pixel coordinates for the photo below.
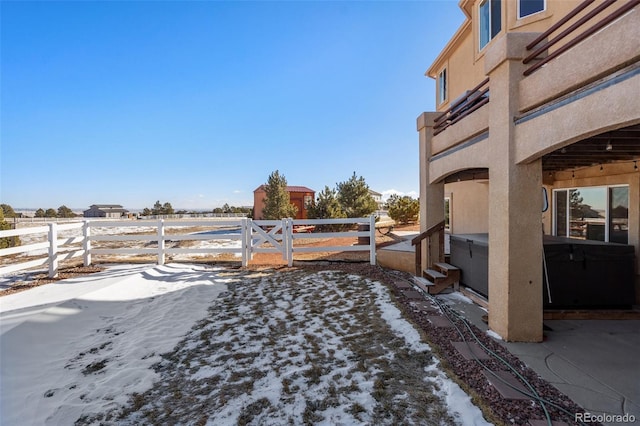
(493, 334)
(85, 345)
(453, 297)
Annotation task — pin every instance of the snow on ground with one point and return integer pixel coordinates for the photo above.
(186, 344)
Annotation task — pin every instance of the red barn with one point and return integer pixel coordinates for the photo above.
(300, 196)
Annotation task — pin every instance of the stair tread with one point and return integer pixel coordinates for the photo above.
(434, 274)
(423, 281)
(446, 266)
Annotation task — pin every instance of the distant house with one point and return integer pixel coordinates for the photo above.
(377, 198)
(300, 196)
(114, 211)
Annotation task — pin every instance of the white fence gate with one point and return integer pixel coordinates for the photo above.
(255, 236)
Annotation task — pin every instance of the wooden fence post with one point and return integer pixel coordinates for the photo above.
(161, 242)
(372, 239)
(289, 237)
(246, 243)
(53, 250)
(86, 243)
(250, 238)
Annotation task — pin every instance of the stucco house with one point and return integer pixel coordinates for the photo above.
(300, 196)
(114, 211)
(377, 197)
(534, 94)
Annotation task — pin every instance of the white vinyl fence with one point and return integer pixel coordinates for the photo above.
(46, 244)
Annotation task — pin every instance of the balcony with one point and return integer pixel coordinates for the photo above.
(603, 41)
(467, 107)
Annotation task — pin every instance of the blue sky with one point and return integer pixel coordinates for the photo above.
(196, 103)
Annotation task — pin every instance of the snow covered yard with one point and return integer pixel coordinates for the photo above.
(186, 344)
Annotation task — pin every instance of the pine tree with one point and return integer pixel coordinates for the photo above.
(64, 211)
(167, 208)
(354, 197)
(7, 210)
(277, 204)
(403, 209)
(7, 242)
(327, 207)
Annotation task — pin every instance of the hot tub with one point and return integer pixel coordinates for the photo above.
(582, 273)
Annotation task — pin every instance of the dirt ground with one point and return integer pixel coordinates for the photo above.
(384, 236)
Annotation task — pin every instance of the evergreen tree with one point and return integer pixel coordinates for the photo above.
(64, 211)
(277, 204)
(50, 213)
(403, 209)
(7, 210)
(157, 208)
(354, 197)
(7, 242)
(326, 206)
(167, 208)
(39, 213)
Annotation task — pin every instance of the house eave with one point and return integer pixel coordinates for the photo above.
(453, 44)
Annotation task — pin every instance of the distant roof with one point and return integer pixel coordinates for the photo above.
(107, 206)
(290, 189)
(372, 192)
(111, 208)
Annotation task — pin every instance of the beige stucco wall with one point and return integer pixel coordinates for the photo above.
(475, 123)
(599, 112)
(465, 63)
(468, 157)
(396, 259)
(469, 206)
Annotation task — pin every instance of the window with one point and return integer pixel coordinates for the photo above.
(490, 14)
(447, 213)
(619, 214)
(442, 86)
(593, 213)
(561, 213)
(529, 7)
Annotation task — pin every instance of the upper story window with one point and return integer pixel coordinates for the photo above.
(490, 18)
(529, 7)
(442, 86)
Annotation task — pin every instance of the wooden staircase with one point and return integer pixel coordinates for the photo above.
(439, 275)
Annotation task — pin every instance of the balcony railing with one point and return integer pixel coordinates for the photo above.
(471, 101)
(569, 35)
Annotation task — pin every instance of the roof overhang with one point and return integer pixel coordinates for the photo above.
(453, 44)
